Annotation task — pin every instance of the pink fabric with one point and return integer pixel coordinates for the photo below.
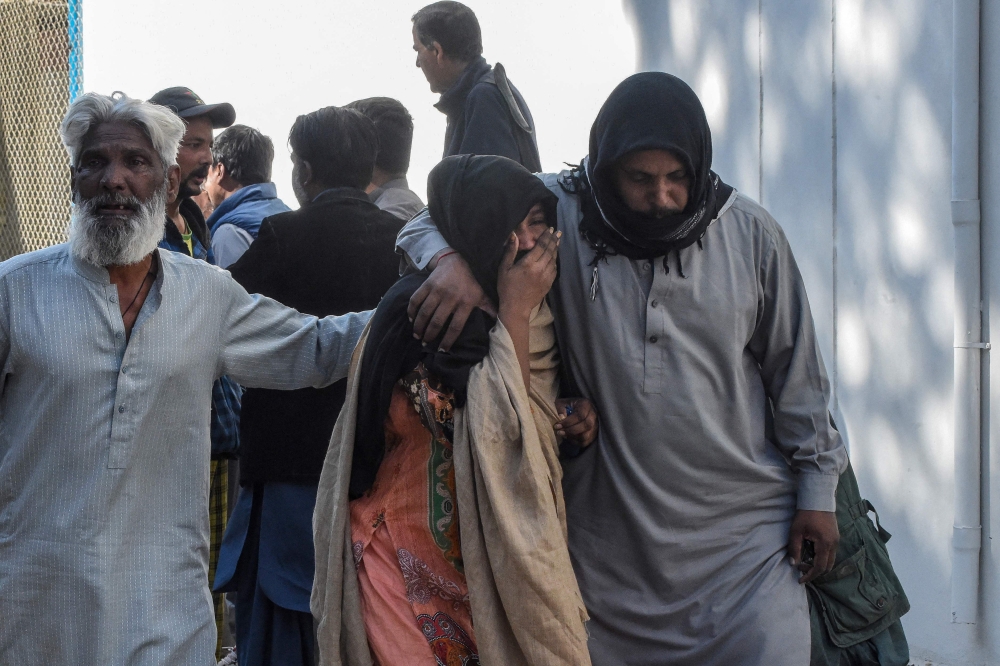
(414, 597)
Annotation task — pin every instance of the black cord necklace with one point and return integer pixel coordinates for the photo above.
(152, 271)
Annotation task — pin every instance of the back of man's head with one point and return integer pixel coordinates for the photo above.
(452, 25)
(339, 144)
(246, 153)
(395, 132)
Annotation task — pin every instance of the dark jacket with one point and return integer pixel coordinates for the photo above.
(481, 122)
(201, 239)
(332, 256)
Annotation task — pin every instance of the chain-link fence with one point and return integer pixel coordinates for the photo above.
(40, 60)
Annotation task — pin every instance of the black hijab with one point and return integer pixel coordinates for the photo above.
(476, 202)
(651, 110)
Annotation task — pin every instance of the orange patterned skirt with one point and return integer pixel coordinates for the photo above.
(404, 531)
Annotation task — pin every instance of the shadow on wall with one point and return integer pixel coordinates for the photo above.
(836, 116)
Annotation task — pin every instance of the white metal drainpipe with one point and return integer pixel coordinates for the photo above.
(967, 533)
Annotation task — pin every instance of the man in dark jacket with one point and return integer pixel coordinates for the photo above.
(335, 254)
(486, 114)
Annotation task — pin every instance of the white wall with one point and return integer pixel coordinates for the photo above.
(836, 114)
(274, 61)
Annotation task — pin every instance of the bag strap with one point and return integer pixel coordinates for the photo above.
(861, 509)
(500, 78)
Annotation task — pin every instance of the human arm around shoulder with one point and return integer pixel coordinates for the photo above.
(448, 296)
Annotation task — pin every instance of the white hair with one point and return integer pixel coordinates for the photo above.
(161, 125)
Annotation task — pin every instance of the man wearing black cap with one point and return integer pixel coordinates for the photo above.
(186, 232)
(189, 233)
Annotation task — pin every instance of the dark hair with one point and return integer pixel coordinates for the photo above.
(246, 153)
(339, 143)
(395, 132)
(452, 25)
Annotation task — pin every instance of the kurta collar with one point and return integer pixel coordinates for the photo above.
(99, 274)
(87, 270)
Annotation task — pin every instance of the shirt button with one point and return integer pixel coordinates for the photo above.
(653, 339)
(121, 409)
(124, 370)
(646, 266)
(113, 298)
(118, 335)
(655, 303)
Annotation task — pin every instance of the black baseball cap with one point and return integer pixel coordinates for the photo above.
(186, 104)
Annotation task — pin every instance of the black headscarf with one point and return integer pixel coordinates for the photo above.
(651, 110)
(476, 202)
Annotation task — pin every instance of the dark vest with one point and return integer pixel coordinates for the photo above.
(333, 256)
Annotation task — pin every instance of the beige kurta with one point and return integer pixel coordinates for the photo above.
(525, 601)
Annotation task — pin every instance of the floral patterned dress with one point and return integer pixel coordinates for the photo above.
(404, 532)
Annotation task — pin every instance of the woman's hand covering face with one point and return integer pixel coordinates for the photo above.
(522, 284)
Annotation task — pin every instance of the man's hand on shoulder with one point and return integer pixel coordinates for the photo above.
(820, 528)
(451, 292)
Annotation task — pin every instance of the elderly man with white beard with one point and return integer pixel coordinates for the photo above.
(104, 427)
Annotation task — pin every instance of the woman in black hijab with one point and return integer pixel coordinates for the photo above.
(403, 514)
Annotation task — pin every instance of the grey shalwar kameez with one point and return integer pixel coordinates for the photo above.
(679, 514)
(104, 450)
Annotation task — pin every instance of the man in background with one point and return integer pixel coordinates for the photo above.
(389, 189)
(486, 114)
(240, 188)
(334, 254)
(186, 232)
(189, 234)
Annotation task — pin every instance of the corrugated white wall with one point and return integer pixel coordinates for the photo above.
(836, 115)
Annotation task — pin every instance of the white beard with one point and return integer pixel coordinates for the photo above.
(116, 241)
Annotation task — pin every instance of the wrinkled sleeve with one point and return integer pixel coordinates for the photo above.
(791, 367)
(420, 240)
(265, 344)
